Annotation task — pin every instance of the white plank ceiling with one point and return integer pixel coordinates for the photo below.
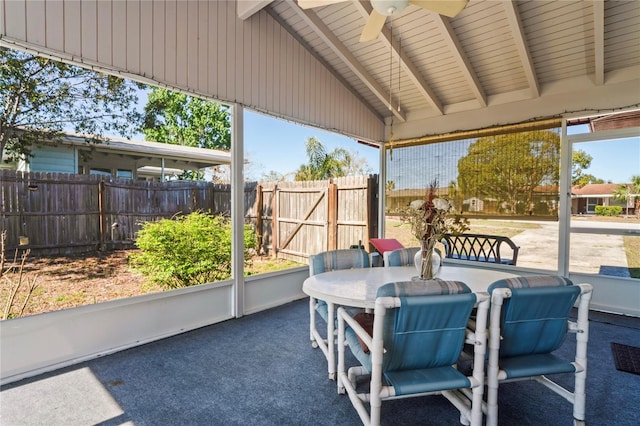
(497, 62)
(424, 65)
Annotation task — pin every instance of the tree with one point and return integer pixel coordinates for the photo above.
(357, 165)
(625, 192)
(509, 167)
(175, 118)
(190, 175)
(635, 181)
(455, 195)
(580, 161)
(41, 97)
(325, 165)
(272, 176)
(390, 186)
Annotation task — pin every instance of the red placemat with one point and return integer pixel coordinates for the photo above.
(385, 244)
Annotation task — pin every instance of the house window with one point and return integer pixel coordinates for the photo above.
(126, 174)
(102, 172)
(592, 203)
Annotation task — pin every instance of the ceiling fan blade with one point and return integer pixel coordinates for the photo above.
(448, 8)
(373, 26)
(309, 4)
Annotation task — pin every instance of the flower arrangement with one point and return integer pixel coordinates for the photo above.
(430, 220)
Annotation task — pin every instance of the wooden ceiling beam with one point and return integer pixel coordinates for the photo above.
(406, 64)
(461, 59)
(598, 37)
(520, 41)
(327, 36)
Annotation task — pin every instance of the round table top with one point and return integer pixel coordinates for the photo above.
(358, 287)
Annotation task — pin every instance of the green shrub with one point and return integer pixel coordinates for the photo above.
(608, 210)
(187, 250)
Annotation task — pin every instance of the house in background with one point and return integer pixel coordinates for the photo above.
(137, 160)
(585, 199)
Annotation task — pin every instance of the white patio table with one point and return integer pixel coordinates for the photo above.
(358, 287)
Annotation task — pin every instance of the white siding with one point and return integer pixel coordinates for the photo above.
(199, 46)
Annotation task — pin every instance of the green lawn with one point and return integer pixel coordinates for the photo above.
(632, 248)
(402, 232)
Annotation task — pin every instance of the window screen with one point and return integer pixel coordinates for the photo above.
(513, 174)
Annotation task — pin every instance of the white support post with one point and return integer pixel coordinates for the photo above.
(564, 209)
(237, 207)
(382, 185)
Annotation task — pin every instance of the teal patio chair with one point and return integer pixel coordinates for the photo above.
(400, 257)
(529, 320)
(324, 262)
(419, 329)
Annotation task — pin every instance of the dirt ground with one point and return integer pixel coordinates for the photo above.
(65, 282)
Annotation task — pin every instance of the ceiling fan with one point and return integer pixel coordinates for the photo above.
(384, 8)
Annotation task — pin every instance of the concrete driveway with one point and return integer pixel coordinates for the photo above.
(594, 253)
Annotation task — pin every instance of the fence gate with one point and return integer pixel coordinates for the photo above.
(296, 219)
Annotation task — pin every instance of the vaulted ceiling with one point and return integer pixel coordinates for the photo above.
(515, 60)
(497, 62)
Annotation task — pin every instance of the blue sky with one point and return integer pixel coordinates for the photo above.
(273, 144)
(614, 161)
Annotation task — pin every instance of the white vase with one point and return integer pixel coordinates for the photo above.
(436, 263)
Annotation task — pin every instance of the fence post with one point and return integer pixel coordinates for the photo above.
(259, 217)
(101, 214)
(371, 230)
(275, 231)
(332, 216)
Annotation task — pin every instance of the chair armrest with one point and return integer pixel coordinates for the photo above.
(343, 315)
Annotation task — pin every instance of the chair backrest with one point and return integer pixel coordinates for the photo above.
(432, 314)
(534, 319)
(338, 259)
(400, 257)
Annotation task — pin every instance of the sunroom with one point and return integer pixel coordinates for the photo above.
(425, 85)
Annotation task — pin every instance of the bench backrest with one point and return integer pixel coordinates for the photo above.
(480, 248)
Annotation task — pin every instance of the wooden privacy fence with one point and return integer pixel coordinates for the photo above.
(56, 213)
(302, 218)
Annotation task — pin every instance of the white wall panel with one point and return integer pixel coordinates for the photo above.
(36, 12)
(104, 34)
(203, 44)
(200, 46)
(240, 34)
(146, 37)
(233, 77)
(182, 24)
(119, 34)
(170, 41)
(159, 41)
(72, 25)
(221, 50)
(132, 28)
(88, 29)
(193, 57)
(15, 18)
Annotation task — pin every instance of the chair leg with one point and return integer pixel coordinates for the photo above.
(582, 338)
(341, 349)
(331, 353)
(312, 321)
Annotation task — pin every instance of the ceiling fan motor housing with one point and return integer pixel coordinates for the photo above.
(389, 7)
